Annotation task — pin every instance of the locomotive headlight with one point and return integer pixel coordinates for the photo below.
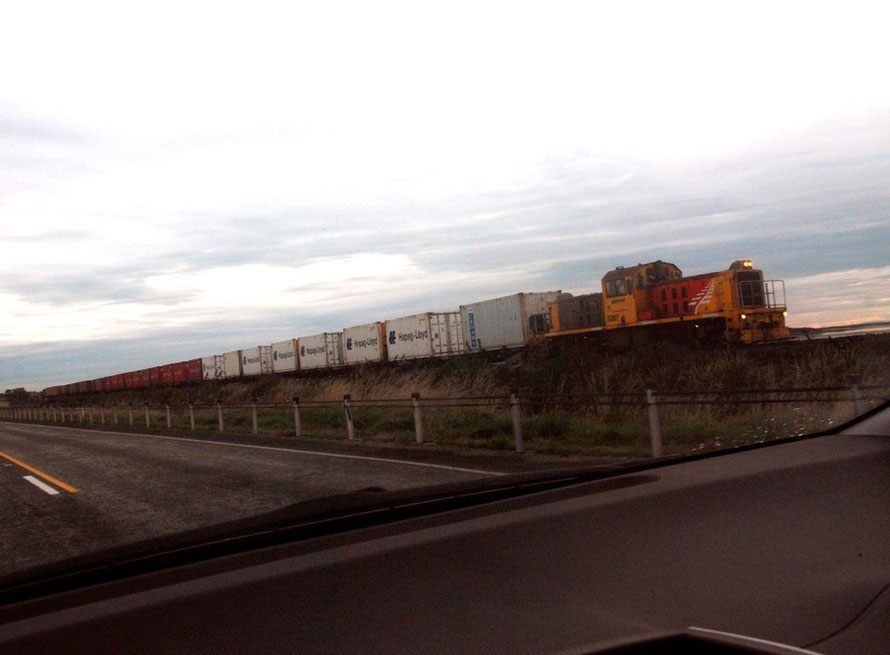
(785, 313)
(744, 316)
(748, 263)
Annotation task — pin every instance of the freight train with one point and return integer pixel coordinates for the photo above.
(636, 304)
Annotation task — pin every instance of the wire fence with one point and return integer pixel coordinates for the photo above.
(288, 417)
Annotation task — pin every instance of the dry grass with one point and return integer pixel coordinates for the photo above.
(615, 431)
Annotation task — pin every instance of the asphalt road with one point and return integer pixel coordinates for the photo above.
(66, 492)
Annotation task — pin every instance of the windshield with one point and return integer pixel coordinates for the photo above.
(256, 259)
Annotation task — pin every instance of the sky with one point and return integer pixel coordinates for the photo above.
(183, 179)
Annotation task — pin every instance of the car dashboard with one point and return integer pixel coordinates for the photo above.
(782, 542)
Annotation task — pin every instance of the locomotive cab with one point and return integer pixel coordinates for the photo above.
(759, 308)
(627, 300)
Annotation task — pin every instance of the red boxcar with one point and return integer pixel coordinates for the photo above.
(144, 377)
(98, 384)
(130, 380)
(180, 372)
(154, 376)
(194, 372)
(167, 374)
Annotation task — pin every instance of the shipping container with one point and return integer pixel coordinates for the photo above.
(130, 380)
(167, 375)
(424, 335)
(508, 322)
(212, 367)
(180, 372)
(284, 356)
(256, 361)
(155, 377)
(364, 343)
(232, 364)
(145, 377)
(193, 370)
(321, 351)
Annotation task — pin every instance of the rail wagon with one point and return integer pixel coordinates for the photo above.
(634, 304)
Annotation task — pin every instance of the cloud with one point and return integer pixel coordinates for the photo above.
(832, 298)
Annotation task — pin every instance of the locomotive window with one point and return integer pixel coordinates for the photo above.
(538, 323)
(640, 283)
(650, 273)
(630, 285)
(615, 288)
(676, 311)
(664, 296)
(664, 309)
(685, 305)
(683, 292)
(674, 292)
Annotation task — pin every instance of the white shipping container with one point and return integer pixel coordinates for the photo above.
(212, 367)
(321, 351)
(284, 356)
(265, 359)
(232, 364)
(250, 361)
(502, 322)
(424, 335)
(448, 334)
(364, 343)
(256, 361)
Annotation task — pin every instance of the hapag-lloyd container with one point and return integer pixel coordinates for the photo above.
(503, 322)
(284, 356)
(232, 364)
(256, 361)
(364, 343)
(424, 335)
(321, 351)
(212, 367)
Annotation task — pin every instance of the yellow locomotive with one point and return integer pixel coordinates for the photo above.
(655, 301)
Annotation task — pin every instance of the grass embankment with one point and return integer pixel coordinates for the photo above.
(590, 430)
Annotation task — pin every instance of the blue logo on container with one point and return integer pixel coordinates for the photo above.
(302, 351)
(275, 355)
(349, 344)
(245, 360)
(471, 319)
(392, 337)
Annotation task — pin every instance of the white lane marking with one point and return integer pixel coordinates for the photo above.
(368, 458)
(41, 485)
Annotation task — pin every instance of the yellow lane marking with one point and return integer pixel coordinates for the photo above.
(43, 475)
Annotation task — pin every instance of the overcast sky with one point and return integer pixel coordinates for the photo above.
(182, 179)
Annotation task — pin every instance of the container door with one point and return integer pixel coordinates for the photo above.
(265, 359)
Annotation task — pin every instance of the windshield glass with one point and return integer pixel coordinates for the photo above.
(255, 259)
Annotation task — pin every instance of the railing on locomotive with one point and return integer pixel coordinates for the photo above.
(762, 293)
